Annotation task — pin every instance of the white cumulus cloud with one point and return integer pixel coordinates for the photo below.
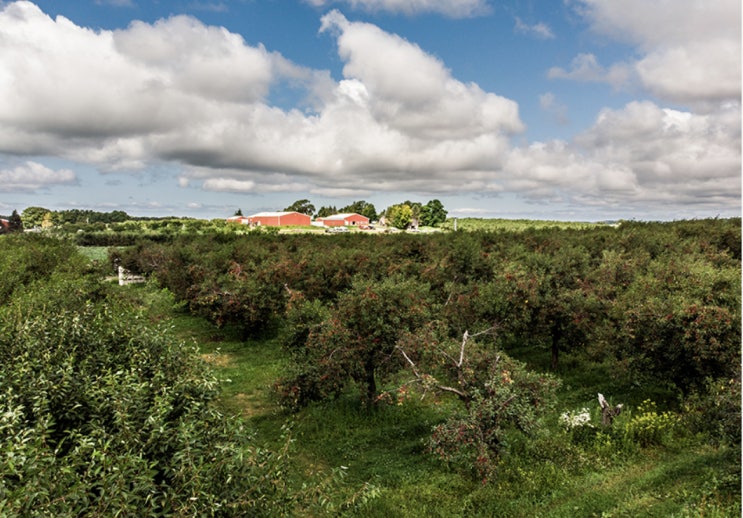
(33, 176)
(690, 49)
(637, 156)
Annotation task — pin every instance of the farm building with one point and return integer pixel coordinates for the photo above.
(238, 219)
(338, 220)
(279, 219)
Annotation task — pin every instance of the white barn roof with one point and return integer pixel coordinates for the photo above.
(270, 214)
(341, 216)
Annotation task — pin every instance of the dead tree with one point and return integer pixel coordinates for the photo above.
(608, 412)
(456, 365)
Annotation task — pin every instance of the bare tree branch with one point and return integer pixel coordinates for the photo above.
(465, 337)
(412, 365)
(458, 392)
(425, 379)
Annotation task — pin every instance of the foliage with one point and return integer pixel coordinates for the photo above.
(105, 413)
(34, 216)
(15, 223)
(26, 258)
(357, 340)
(498, 393)
(605, 293)
(301, 206)
(324, 211)
(513, 225)
(715, 411)
(681, 320)
(240, 297)
(649, 427)
(511, 397)
(399, 216)
(433, 214)
(361, 207)
(37, 216)
(642, 311)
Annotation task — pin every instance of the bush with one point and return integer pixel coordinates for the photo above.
(26, 258)
(102, 412)
(715, 411)
(649, 427)
(509, 398)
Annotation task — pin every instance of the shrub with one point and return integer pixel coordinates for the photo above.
(649, 427)
(103, 413)
(578, 425)
(715, 411)
(509, 397)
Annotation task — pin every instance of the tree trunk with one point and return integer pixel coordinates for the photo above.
(556, 336)
(371, 383)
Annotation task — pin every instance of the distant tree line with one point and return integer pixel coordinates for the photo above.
(400, 215)
(40, 217)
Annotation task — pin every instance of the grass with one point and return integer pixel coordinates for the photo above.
(512, 225)
(658, 483)
(381, 453)
(95, 253)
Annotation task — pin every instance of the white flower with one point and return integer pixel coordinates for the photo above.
(574, 419)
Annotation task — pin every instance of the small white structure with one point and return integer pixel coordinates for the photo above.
(127, 277)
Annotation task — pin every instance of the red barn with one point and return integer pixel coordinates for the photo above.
(339, 220)
(238, 219)
(280, 219)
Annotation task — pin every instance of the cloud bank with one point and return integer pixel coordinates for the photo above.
(181, 92)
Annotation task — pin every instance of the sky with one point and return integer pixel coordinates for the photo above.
(582, 110)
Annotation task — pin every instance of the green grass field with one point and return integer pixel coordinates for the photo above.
(94, 253)
(512, 225)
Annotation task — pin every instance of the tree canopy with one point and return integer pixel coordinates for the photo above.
(433, 214)
(301, 206)
(361, 207)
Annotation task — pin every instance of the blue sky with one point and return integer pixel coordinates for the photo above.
(565, 110)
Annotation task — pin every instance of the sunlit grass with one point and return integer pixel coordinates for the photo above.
(94, 253)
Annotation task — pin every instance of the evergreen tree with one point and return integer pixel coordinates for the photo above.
(16, 224)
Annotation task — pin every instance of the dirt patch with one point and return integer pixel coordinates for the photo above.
(219, 359)
(250, 405)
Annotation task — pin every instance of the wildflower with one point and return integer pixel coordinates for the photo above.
(576, 419)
